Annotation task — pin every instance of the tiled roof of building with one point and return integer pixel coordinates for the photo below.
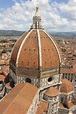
(66, 86)
(2, 77)
(5, 70)
(28, 45)
(9, 98)
(18, 99)
(2, 62)
(42, 107)
(52, 92)
(68, 70)
(70, 104)
(16, 49)
(7, 61)
(61, 105)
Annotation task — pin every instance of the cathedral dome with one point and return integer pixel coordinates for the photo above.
(35, 50)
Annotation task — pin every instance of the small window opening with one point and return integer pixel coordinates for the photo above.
(28, 80)
(50, 79)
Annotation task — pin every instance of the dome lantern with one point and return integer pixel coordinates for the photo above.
(37, 20)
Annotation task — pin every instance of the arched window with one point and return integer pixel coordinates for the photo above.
(28, 80)
(49, 79)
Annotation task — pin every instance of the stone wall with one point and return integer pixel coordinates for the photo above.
(33, 108)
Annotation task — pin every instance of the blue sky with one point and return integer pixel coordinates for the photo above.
(9, 3)
(57, 15)
(6, 3)
(60, 1)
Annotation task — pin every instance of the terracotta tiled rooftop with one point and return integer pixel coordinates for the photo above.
(7, 62)
(9, 98)
(16, 49)
(70, 104)
(2, 77)
(66, 86)
(68, 70)
(2, 62)
(52, 92)
(42, 107)
(5, 70)
(18, 99)
(26, 52)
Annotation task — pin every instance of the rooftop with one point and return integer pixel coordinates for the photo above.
(52, 92)
(66, 86)
(42, 107)
(18, 100)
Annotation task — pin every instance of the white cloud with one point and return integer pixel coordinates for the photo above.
(68, 10)
(55, 17)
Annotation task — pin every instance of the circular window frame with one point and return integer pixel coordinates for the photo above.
(28, 80)
(50, 79)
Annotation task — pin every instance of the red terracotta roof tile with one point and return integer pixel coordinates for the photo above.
(19, 99)
(68, 70)
(66, 86)
(16, 49)
(42, 107)
(52, 92)
(5, 70)
(28, 49)
(9, 98)
(2, 62)
(70, 104)
(2, 77)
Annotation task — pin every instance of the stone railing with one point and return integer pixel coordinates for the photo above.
(63, 110)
